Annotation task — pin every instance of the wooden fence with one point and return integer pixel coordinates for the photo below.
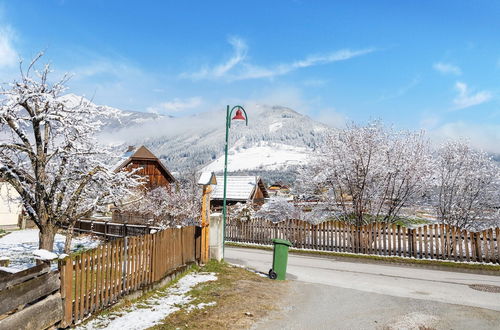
(436, 241)
(96, 278)
(112, 230)
(30, 299)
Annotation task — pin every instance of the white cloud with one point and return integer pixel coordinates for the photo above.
(177, 105)
(8, 55)
(481, 136)
(465, 99)
(331, 118)
(447, 68)
(238, 68)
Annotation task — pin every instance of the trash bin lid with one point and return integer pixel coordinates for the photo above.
(282, 241)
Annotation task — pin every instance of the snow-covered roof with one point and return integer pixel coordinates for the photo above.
(239, 188)
(207, 178)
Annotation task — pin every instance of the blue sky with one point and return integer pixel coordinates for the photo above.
(414, 64)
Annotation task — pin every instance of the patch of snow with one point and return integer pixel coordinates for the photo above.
(275, 126)
(200, 306)
(19, 246)
(42, 254)
(146, 314)
(9, 270)
(262, 156)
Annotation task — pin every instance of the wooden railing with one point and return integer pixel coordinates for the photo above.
(96, 278)
(112, 230)
(436, 241)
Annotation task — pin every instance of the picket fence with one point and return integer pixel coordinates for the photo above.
(435, 241)
(96, 278)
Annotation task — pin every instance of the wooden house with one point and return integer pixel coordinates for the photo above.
(279, 189)
(149, 167)
(240, 189)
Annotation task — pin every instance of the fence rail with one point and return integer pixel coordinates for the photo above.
(30, 299)
(111, 229)
(96, 278)
(436, 241)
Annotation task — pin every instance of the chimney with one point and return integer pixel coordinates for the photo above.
(130, 148)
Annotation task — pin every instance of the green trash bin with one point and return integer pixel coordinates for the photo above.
(280, 259)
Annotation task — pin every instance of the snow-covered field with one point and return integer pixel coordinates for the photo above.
(262, 156)
(145, 314)
(19, 246)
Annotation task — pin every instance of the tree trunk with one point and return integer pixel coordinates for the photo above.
(46, 237)
(69, 237)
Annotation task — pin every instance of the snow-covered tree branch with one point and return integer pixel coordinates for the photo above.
(467, 182)
(368, 172)
(49, 154)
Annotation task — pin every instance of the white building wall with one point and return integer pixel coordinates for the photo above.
(10, 205)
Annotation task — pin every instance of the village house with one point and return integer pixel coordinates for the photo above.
(10, 206)
(149, 167)
(279, 189)
(240, 189)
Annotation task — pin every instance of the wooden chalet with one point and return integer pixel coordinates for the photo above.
(240, 189)
(148, 165)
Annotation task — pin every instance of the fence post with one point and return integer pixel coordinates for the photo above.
(66, 273)
(105, 230)
(125, 261)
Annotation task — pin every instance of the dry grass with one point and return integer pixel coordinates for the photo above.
(242, 297)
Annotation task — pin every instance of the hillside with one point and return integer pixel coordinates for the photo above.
(276, 138)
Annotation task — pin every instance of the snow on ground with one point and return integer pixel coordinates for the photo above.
(262, 156)
(145, 314)
(19, 246)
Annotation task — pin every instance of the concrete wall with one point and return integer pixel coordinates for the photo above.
(216, 231)
(10, 206)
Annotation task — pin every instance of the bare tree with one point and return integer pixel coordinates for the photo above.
(179, 205)
(48, 153)
(467, 184)
(369, 172)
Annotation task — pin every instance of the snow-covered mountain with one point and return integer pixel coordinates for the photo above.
(276, 138)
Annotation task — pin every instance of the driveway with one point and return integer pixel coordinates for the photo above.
(328, 293)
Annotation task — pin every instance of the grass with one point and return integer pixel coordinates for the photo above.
(394, 260)
(141, 302)
(229, 309)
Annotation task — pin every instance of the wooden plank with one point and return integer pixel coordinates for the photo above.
(426, 250)
(497, 234)
(442, 240)
(492, 245)
(460, 245)
(76, 309)
(24, 275)
(29, 291)
(83, 284)
(485, 245)
(92, 281)
(66, 271)
(384, 238)
(479, 247)
(454, 243)
(431, 241)
(398, 228)
(41, 315)
(466, 243)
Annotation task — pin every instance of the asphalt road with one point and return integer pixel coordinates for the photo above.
(333, 294)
